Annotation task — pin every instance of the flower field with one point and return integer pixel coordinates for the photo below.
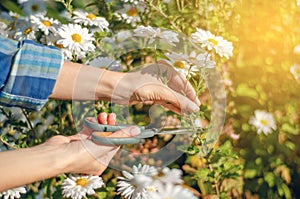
(241, 56)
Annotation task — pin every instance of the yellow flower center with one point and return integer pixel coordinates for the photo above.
(132, 12)
(264, 122)
(35, 7)
(151, 189)
(81, 182)
(91, 16)
(297, 71)
(178, 64)
(27, 31)
(47, 23)
(213, 41)
(76, 38)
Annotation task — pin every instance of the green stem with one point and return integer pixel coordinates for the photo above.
(202, 187)
(30, 124)
(216, 183)
(7, 144)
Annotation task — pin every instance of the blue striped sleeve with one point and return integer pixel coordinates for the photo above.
(32, 76)
(8, 49)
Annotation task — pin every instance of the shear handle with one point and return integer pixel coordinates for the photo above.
(102, 138)
(104, 127)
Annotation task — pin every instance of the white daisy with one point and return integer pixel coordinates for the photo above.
(13, 193)
(76, 38)
(132, 1)
(22, 1)
(45, 24)
(297, 49)
(137, 183)
(167, 175)
(66, 14)
(3, 29)
(180, 65)
(129, 14)
(170, 191)
(121, 36)
(24, 30)
(201, 60)
(168, 37)
(198, 123)
(144, 169)
(105, 62)
(295, 70)
(34, 7)
(90, 19)
(189, 63)
(263, 121)
(77, 187)
(52, 40)
(222, 47)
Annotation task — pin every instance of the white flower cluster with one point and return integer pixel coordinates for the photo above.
(130, 13)
(77, 187)
(75, 38)
(189, 63)
(147, 182)
(295, 70)
(13, 193)
(263, 121)
(208, 40)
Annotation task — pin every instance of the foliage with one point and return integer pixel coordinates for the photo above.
(243, 163)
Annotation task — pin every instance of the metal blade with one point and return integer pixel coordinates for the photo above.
(177, 131)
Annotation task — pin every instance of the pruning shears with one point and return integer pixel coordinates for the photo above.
(102, 131)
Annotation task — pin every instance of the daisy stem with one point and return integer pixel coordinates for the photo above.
(216, 184)
(7, 144)
(178, 5)
(30, 124)
(67, 4)
(155, 52)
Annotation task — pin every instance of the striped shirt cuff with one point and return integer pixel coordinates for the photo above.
(32, 77)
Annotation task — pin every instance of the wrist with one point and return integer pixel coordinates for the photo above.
(107, 84)
(56, 157)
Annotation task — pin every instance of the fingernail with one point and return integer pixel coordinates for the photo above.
(134, 131)
(198, 102)
(193, 107)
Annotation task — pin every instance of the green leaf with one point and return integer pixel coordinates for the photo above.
(290, 145)
(250, 173)
(10, 5)
(244, 90)
(283, 190)
(286, 127)
(203, 173)
(102, 194)
(57, 193)
(270, 179)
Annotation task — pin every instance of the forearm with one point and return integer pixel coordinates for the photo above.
(82, 82)
(24, 166)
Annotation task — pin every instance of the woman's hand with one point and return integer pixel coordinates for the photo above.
(157, 83)
(85, 156)
(60, 154)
